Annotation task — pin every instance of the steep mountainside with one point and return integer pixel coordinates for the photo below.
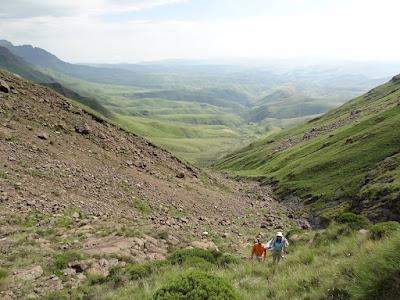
(17, 65)
(63, 143)
(72, 183)
(347, 159)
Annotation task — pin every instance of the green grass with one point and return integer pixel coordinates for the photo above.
(61, 260)
(3, 278)
(335, 263)
(142, 206)
(197, 123)
(335, 164)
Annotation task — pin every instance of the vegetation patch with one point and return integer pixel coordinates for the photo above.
(197, 286)
(142, 206)
(384, 229)
(354, 221)
(213, 257)
(3, 277)
(377, 275)
(61, 260)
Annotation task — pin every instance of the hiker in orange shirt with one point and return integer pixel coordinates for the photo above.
(259, 250)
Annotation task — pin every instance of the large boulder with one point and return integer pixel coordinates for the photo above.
(4, 87)
(82, 129)
(31, 273)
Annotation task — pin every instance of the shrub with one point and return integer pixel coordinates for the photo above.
(224, 259)
(384, 229)
(197, 286)
(136, 272)
(197, 262)
(61, 260)
(332, 234)
(354, 221)
(377, 275)
(213, 257)
(307, 258)
(180, 256)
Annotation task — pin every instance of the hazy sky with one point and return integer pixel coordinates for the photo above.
(137, 30)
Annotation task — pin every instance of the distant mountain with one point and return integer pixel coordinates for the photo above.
(347, 159)
(287, 103)
(40, 57)
(17, 65)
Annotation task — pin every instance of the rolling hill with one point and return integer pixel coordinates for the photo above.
(288, 102)
(347, 159)
(197, 110)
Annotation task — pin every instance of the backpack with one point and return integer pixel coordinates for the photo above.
(278, 246)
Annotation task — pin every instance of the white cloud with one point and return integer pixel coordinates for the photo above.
(57, 8)
(352, 29)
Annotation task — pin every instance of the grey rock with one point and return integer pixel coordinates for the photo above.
(4, 87)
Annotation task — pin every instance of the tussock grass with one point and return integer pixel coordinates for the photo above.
(336, 263)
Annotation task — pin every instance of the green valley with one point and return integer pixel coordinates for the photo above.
(198, 111)
(345, 159)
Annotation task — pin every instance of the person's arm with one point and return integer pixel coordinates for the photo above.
(271, 242)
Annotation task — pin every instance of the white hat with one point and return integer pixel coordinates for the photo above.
(279, 234)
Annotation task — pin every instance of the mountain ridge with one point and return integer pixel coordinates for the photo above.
(347, 159)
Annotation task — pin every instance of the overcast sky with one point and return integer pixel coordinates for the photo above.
(143, 30)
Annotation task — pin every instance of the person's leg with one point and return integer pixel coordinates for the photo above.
(279, 256)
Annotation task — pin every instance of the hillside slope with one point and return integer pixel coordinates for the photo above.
(347, 159)
(17, 65)
(73, 186)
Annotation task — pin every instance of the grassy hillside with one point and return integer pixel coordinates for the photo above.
(199, 128)
(349, 156)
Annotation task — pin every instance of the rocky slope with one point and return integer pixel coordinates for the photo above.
(72, 183)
